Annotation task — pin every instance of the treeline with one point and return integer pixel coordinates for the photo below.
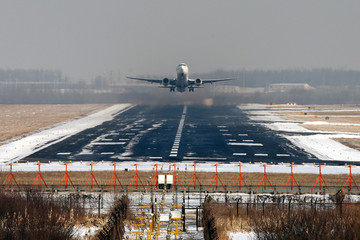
(51, 87)
(31, 75)
(154, 95)
(246, 78)
(261, 78)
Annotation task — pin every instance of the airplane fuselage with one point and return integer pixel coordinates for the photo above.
(182, 77)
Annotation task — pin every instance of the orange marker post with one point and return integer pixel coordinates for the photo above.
(320, 180)
(239, 178)
(156, 177)
(350, 180)
(136, 176)
(194, 177)
(216, 177)
(66, 177)
(176, 179)
(114, 178)
(264, 179)
(291, 178)
(91, 177)
(39, 177)
(11, 178)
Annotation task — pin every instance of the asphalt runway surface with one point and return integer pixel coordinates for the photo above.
(177, 133)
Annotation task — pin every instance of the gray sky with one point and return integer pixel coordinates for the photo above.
(84, 38)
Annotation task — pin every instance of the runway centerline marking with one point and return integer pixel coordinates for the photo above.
(176, 144)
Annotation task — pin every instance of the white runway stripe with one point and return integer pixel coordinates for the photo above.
(282, 155)
(108, 143)
(63, 153)
(245, 144)
(239, 154)
(260, 154)
(176, 144)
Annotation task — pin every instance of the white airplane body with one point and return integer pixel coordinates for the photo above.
(182, 80)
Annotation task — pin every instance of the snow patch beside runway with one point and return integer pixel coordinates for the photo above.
(26, 146)
(318, 143)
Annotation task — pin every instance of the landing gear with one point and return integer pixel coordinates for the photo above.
(191, 89)
(172, 89)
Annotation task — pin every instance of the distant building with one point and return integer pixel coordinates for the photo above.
(286, 87)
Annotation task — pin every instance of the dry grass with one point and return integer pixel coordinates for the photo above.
(20, 120)
(333, 128)
(321, 113)
(332, 119)
(313, 107)
(277, 220)
(350, 142)
(333, 114)
(227, 178)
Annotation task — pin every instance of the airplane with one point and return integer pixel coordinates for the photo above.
(182, 80)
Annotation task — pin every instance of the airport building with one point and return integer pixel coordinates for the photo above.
(286, 87)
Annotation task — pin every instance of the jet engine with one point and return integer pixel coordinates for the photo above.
(198, 82)
(165, 82)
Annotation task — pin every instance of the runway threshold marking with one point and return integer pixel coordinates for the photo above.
(63, 153)
(282, 155)
(108, 143)
(239, 154)
(261, 154)
(245, 144)
(176, 145)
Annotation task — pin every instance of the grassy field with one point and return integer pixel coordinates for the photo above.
(20, 120)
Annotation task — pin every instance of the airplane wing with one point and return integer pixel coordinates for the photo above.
(216, 80)
(146, 79)
(199, 81)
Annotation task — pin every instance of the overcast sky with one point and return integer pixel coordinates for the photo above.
(84, 38)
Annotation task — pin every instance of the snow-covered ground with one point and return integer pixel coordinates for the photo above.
(242, 235)
(318, 143)
(21, 148)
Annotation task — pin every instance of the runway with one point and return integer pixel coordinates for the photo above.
(176, 133)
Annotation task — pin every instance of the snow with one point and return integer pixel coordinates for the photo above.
(85, 232)
(21, 148)
(242, 235)
(318, 143)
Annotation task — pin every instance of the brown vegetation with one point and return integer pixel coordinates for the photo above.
(350, 142)
(332, 128)
(37, 217)
(283, 220)
(115, 227)
(278, 223)
(332, 119)
(322, 113)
